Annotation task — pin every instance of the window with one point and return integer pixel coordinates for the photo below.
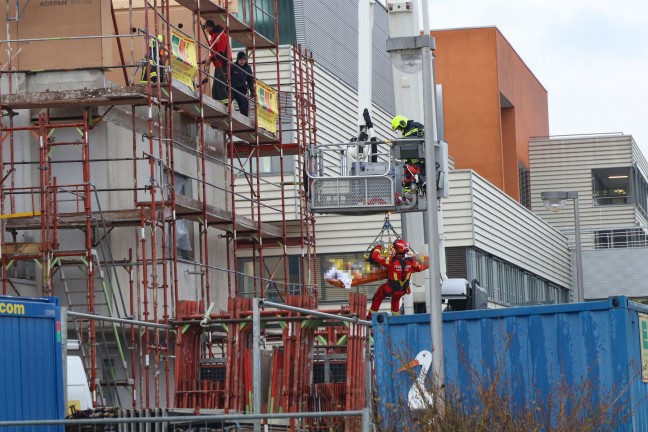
(510, 285)
(525, 186)
(639, 190)
(329, 369)
(611, 186)
(214, 372)
(269, 165)
(184, 228)
(275, 286)
(329, 293)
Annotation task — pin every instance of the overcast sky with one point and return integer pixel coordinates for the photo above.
(590, 55)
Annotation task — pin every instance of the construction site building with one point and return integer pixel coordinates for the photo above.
(146, 200)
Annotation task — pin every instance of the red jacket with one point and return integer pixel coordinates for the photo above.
(399, 269)
(219, 47)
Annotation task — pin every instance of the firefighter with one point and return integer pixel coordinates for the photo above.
(156, 60)
(414, 169)
(400, 267)
(409, 128)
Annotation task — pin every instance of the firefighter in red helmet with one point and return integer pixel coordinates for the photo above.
(400, 267)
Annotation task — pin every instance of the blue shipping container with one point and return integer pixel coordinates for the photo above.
(534, 353)
(31, 364)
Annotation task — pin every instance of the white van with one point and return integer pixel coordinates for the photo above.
(78, 390)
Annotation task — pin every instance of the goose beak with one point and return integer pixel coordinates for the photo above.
(409, 365)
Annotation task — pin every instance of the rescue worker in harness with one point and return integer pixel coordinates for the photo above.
(157, 60)
(399, 267)
(414, 169)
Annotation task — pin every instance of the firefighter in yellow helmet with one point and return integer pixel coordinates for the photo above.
(156, 59)
(414, 169)
(409, 128)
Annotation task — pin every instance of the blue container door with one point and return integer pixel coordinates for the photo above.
(31, 385)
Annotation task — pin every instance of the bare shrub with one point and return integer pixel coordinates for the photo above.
(497, 399)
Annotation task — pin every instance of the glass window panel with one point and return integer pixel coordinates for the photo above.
(611, 186)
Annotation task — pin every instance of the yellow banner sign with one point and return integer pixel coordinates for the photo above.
(266, 107)
(183, 59)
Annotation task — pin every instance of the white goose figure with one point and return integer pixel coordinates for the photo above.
(418, 396)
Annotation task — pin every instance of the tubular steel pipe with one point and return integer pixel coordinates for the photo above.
(122, 320)
(266, 303)
(119, 45)
(182, 419)
(132, 327)
(49, 39)
(256, 362)
(267, 313)
(154, 230)
(312, 121)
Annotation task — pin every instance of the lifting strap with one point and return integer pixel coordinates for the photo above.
(387, 230)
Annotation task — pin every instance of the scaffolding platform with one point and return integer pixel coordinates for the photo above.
(111, 218)
(215, 113)
(191, 209)
(238, 30)
(290, 149)
(123, 95)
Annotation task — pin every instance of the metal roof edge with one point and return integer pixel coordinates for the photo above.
(615, 302)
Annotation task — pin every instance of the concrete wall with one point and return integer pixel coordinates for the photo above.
(57, 19)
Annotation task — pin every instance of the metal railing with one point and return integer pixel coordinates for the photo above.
(179, 423)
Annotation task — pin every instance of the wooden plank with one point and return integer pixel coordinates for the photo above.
(21, 248)
(268, 149)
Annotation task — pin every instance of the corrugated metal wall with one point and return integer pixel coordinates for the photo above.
(478, 214)
(566, 165)
(530, 351)
(642, 165)
(330, 29)
(31, 371)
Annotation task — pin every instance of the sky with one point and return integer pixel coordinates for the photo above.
(590, 55)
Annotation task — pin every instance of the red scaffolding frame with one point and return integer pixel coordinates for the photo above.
(151, 265)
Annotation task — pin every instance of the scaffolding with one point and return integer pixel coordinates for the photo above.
(107, 219)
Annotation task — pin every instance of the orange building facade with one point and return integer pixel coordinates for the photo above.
(492, 104)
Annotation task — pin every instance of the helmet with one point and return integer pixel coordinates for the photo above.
(399, 122)
(401, 246)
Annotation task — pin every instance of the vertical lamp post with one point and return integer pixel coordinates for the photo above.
(554, 201)
(411, 54)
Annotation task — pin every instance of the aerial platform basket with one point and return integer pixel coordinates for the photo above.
(360, 178)
(353, 194)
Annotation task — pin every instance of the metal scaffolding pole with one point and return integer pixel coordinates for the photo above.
(266, 303)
